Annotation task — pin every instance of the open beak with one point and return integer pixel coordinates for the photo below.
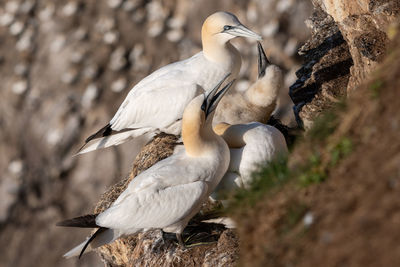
(217, 97)
(263, 61)
(243, 31)
(207, 100)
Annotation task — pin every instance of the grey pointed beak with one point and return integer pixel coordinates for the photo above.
(263, 61)
(209, 97)
(215, 100)
(243, 31)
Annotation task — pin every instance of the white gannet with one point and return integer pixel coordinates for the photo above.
(251, 145)
(157, 102)
(259, 101)
(168, 194)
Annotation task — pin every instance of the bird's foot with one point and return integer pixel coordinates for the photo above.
(201, 244)
(181, 243)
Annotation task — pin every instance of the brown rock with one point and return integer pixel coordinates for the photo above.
(363, 25)
(322, 80)
(348, 40)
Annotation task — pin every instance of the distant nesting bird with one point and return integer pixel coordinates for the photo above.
(259, 101)
(157, 102)
(168, 194)
(251, 146)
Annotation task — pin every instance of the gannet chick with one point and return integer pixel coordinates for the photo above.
(259, 101)
(168, 194)
(251, 146)
(157, 102)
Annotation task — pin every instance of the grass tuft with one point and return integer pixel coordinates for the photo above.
(273, 175)
(313, 172)
(270, 178)
(342, 149)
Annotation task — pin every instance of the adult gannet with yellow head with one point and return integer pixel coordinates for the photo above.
(157, 102)
(168, 194)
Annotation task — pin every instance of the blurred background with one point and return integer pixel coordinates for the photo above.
(66, 66)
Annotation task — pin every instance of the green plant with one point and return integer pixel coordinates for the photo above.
(313, 172)
(269, 177)
(340, 150)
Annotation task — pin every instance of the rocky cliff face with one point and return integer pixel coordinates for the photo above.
(65, 67)
(363, 25)
(337, 203)
(323, 78)
(349, 40)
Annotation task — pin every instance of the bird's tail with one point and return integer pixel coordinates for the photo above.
(76, 251)
(141, 136)
(101, 237)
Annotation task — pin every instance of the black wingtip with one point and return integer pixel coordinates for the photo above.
(80, 149)
(105, 131)
(99, 231)
(86, 221)
(263, 61)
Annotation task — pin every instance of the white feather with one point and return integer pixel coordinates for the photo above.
(76, 250)
(262, 144)
(119, 138)
(105, 237)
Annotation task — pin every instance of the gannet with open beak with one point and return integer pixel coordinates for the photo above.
(168, 194)
(251, 145)
(157, 102)
(259, 101)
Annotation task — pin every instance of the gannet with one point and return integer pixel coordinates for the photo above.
(168, 194)
(157, 102)
(251, 146)
(256, 103)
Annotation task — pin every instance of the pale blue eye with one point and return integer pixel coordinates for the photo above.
(227, 27)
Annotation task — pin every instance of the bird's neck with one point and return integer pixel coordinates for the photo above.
(232, 134)
(198, 139)
(217, 50)
(264, 92)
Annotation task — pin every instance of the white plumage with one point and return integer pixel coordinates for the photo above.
(157, 102)
(167, 195)
(251, 145)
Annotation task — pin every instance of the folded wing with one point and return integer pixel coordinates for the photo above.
(154, 207)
